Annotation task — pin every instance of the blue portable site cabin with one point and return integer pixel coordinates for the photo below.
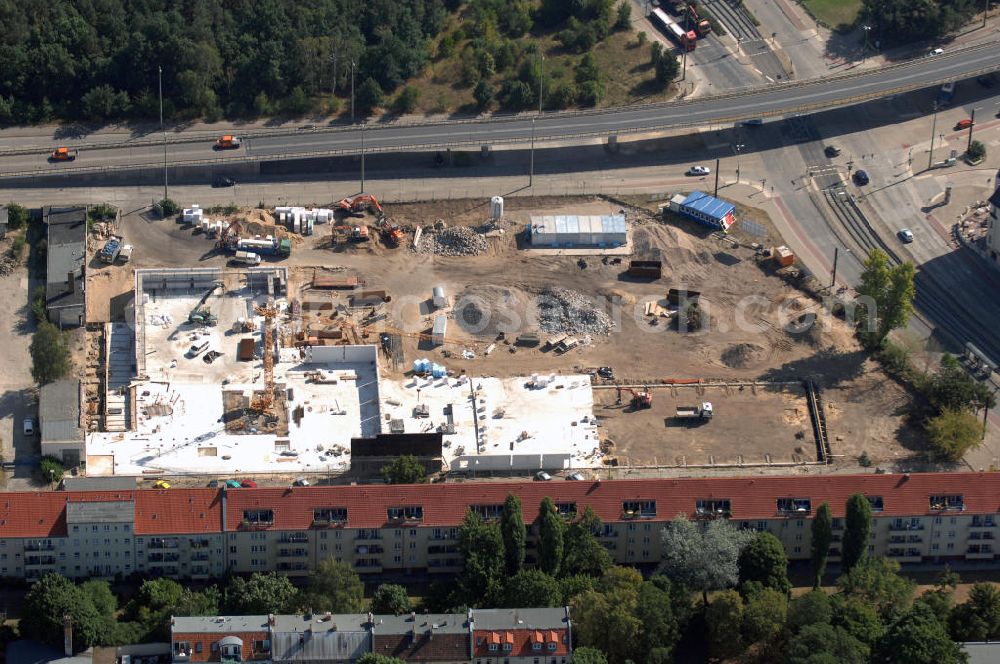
(705, 209)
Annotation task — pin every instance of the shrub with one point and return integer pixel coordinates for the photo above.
(953, 433)
(51, 469)
(977, 150)
(406, 100)
(168, 207)
(17, 216)
(17, 247)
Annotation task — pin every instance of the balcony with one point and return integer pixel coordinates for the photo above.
(442, 549)
(39, 561)
(200, 557)
(293, 568)
(246, 524)
(294, 538)
(896, 527)
(980, 522)
(39, 546)
(163, 557)
(367, 549)
(901, 555)
(199, 544)
(367, 535)
(293, 553)
(160, 543)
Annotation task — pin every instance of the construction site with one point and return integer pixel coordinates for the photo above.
(420, 318)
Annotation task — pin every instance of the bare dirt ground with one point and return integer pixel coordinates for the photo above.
(746, 307)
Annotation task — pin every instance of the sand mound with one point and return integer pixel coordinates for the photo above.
(489, 310)
(740, 356)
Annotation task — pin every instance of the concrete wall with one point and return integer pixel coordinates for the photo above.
(346, 354)
(489, 463)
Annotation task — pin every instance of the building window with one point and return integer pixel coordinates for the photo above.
(330, 515)
(262, 517)
(876, 502)
(197, 646)
(794, 505)
(639, 508)
(507, 647)
(947, 502)
(488, 512)
(405, 513)
(566, 509)
(536, 646)
(493, 647)
(713, 507)
(551, 645)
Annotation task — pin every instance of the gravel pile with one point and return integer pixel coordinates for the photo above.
(740, 356)
(454, 241)
(569, 312)
(8, 265)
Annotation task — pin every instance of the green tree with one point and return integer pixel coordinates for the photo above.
(100, 595)
(50, 359)
(811, 608)
(623, 16)
(406, 100)
(378, 658)
(655, 52)
(583, 553)
(825, 644)
(484, 94)
(297, 102)
(482, 576)
(953, 433)
(857, 618)
(605, 618)
(764, 615)
(551, 535)
(822, 537)
(390, 599)
(889, 291)
(723, 618)
(262, 594)
(666, 68)
(53, 597)
(917, 637)
(764, 561)
(370, 96)
(333, 586)
(585, 655)
(857, 530)
(405, 469)
(104, 103)
(571, 586)
(702, 559)
(976, 150)
(978, 618)
(952, 388)
(588, 69)
(659, 627)
(876, 582)
(515, 533)
(563, 95)
(532, 588)
(17, 216)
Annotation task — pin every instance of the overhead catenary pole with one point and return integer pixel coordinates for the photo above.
(716, 192)
(541, 77)
(162, 129)
(986, 8)
(363, 125)
(833, 277)
(333, 86)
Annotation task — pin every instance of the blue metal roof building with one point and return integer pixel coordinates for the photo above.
(705, 209)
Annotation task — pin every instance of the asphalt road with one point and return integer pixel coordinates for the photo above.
(768, 101)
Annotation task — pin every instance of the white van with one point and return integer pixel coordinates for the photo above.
(246, 258)
(197, 348)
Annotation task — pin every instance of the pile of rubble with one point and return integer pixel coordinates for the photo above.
(454, 241)
(8, 264)
(569, 312)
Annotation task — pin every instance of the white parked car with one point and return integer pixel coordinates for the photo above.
(699, 170)
(542, 476)
(29, 427)
(937, 51)
(906, 235)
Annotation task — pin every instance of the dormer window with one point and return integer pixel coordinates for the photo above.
(794, 505)
(566, 509)
(488, 512)
(877, 503)
(407, 513)
(947, 502)
(330, 515)
(713, 507)
(263, 517)
(636, 509)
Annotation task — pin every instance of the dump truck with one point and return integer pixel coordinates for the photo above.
(228, 142)
(111, 250)
(702, 412)
(645, 269)
(63, 154)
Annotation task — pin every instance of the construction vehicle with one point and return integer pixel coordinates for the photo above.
(202, 315)
(63, 154)
(246, 258)
(360, 203)
(228, 142)
(262, 403)
(229, 237)
(702, 412)
(702, 24)
(392, 234)
(360, 234)
(640, 400)
(111, 250)
(267, 246)
(686, 39)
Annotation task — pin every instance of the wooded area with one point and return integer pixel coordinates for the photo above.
(99, 60)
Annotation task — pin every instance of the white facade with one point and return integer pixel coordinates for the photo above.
(575, 231)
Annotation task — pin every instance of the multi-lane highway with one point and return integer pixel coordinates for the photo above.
(772, 100)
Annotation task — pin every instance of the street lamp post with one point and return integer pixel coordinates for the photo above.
(363, 125)
(531, 168)
(930, 157)
(737, 148)
(159, 70)
(986, 8)
(541, 77)
(333, 85)
(867, 29)
(972, 124)
(352, 91)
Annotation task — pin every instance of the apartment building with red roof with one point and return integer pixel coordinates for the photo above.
(203, 533)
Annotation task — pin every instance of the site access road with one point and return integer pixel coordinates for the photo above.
(773, 100)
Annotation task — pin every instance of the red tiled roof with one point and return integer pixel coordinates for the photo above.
(751, 497)
(157, 511)
(42, 514)
(521, 642)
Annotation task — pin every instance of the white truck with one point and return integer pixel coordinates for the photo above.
(246, 258)
(702, 412)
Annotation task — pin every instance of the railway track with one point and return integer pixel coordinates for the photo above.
(735, 19)
(931, 298)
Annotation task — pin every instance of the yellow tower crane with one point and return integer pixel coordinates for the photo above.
(263, 402)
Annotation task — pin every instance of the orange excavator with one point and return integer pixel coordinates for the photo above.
(360, 203)
(640, 400)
